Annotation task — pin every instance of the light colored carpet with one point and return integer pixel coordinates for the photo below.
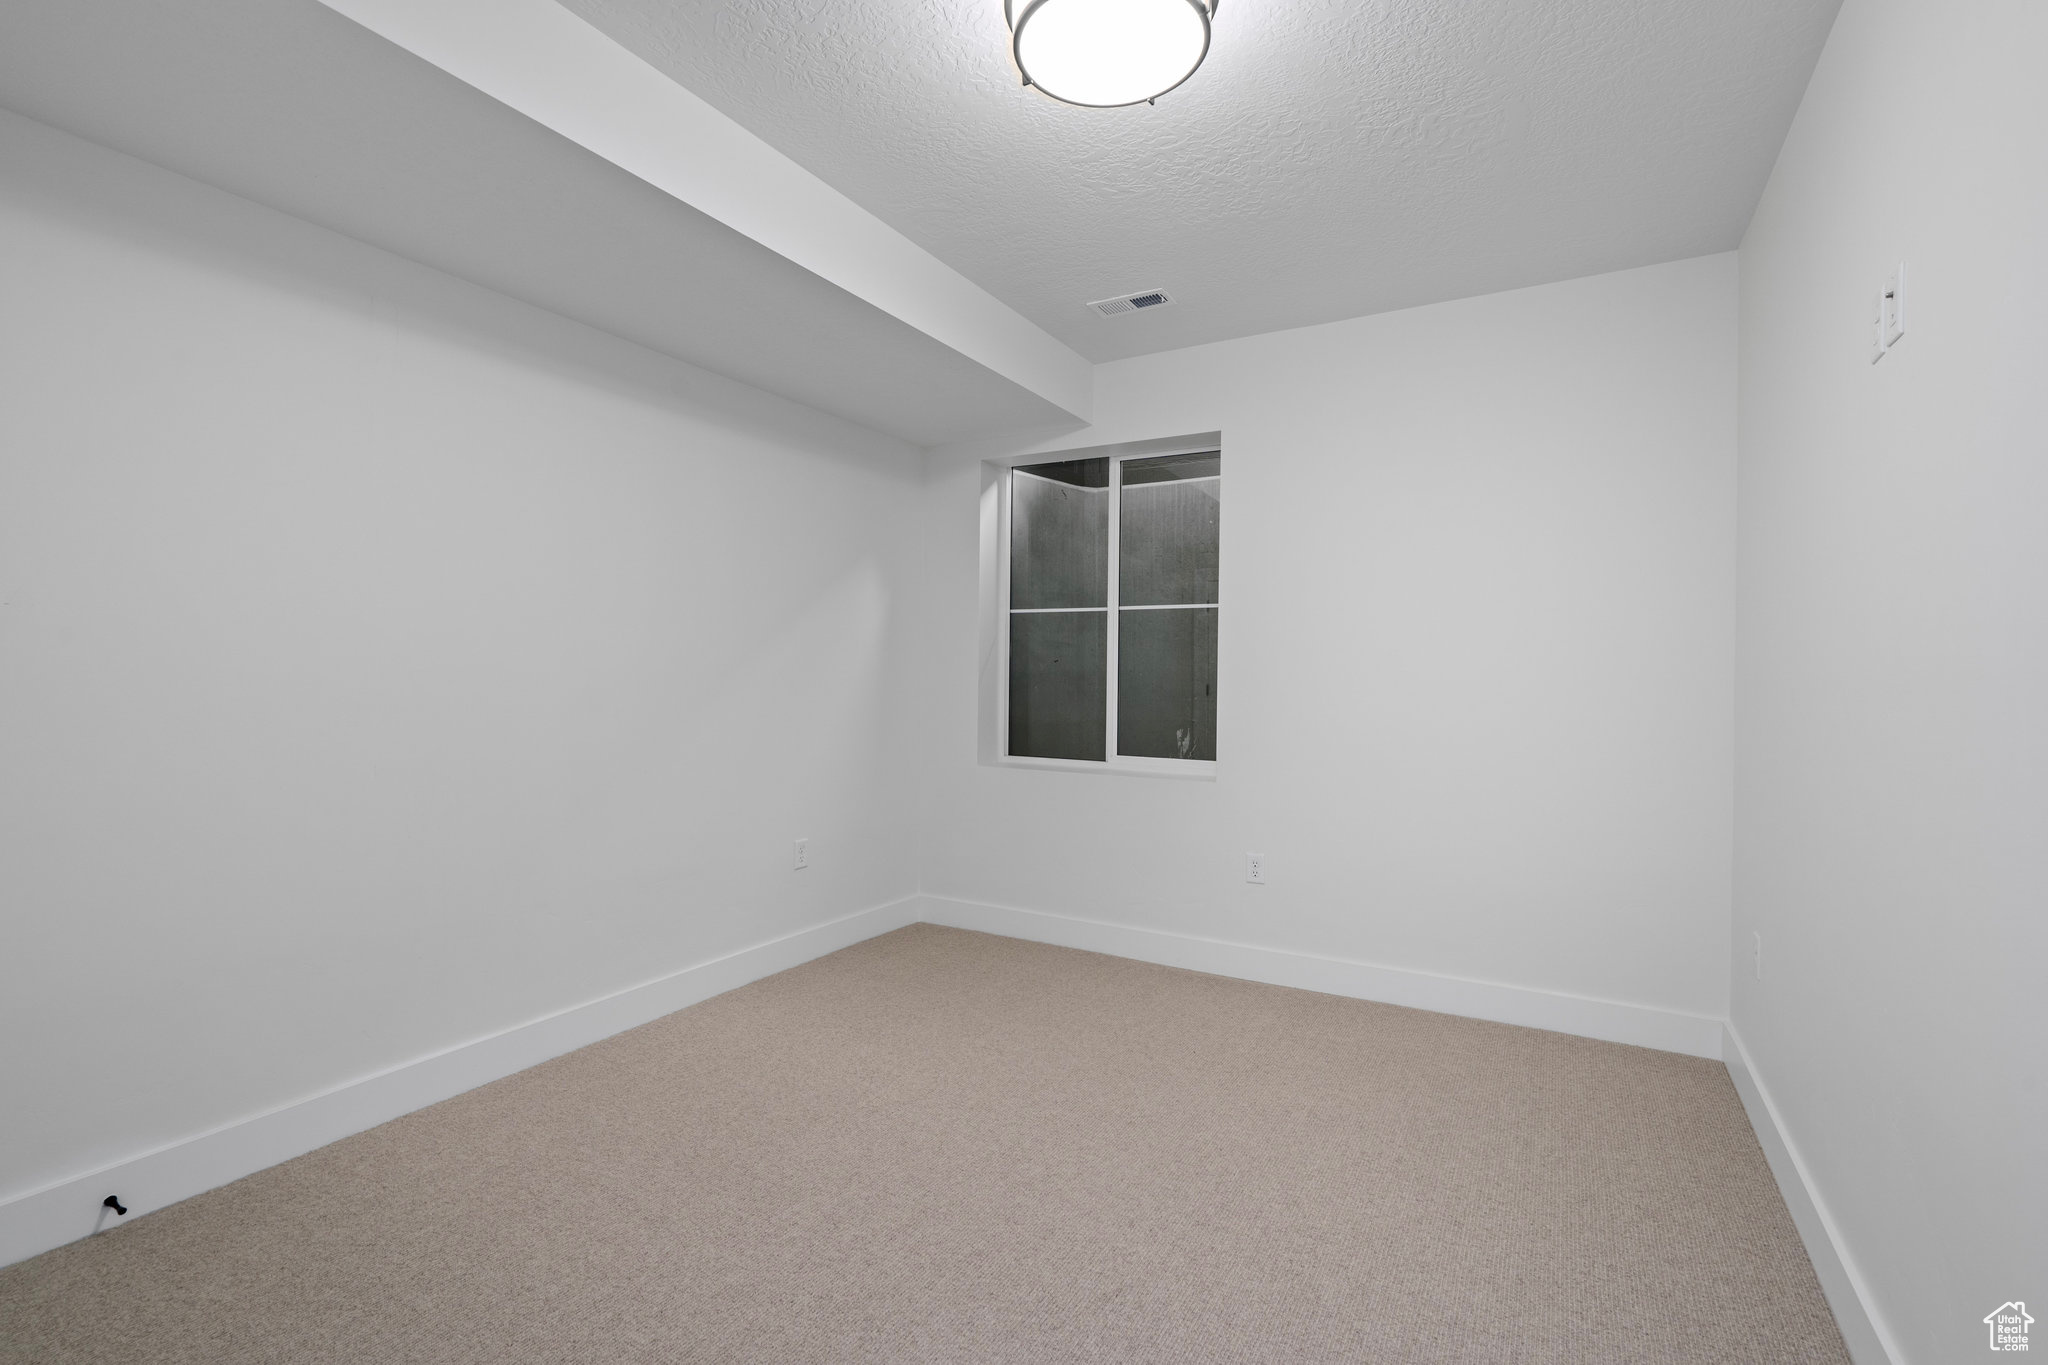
(944, 1146)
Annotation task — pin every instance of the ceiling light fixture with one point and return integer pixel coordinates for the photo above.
(1103, 54)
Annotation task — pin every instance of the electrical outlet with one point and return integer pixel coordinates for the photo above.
(803, 854)
(1255, 868)
(1758, 948)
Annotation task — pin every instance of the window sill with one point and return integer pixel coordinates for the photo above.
(1173, 769)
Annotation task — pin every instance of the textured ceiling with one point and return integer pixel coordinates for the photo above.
(1332, 158)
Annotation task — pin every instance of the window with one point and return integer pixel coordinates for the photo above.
(1112, 610)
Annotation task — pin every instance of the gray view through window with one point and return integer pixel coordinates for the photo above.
(1147, 631)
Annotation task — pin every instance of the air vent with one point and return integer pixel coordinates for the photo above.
(1131, 303)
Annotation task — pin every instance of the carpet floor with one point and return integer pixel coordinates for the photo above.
(946, 1146)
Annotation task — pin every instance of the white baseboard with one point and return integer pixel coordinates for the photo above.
(1848, 1293)
(1612, 1021)
(1863, 1330)
(35, 1222)
(41, 1219)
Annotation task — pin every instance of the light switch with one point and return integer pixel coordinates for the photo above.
(1895, 307)
(1888, 315)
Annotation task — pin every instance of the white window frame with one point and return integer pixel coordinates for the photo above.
(1200, 769)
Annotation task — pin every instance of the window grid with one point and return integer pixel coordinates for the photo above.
(1113, 608)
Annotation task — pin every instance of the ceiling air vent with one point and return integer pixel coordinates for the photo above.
(1131, 303)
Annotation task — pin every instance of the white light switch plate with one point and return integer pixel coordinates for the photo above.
(1895, 307)
(1888, 315)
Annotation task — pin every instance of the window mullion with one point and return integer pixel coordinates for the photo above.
(1116, 520)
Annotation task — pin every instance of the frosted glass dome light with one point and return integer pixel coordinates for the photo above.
(1105, 53)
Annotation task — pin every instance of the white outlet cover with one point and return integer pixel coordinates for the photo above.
(803, 854)
(1255, 868)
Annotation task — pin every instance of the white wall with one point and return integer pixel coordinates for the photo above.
(1892, 797)
(1475, 686)
(384, 663)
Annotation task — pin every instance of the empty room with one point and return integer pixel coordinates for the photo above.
(1023, 681)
